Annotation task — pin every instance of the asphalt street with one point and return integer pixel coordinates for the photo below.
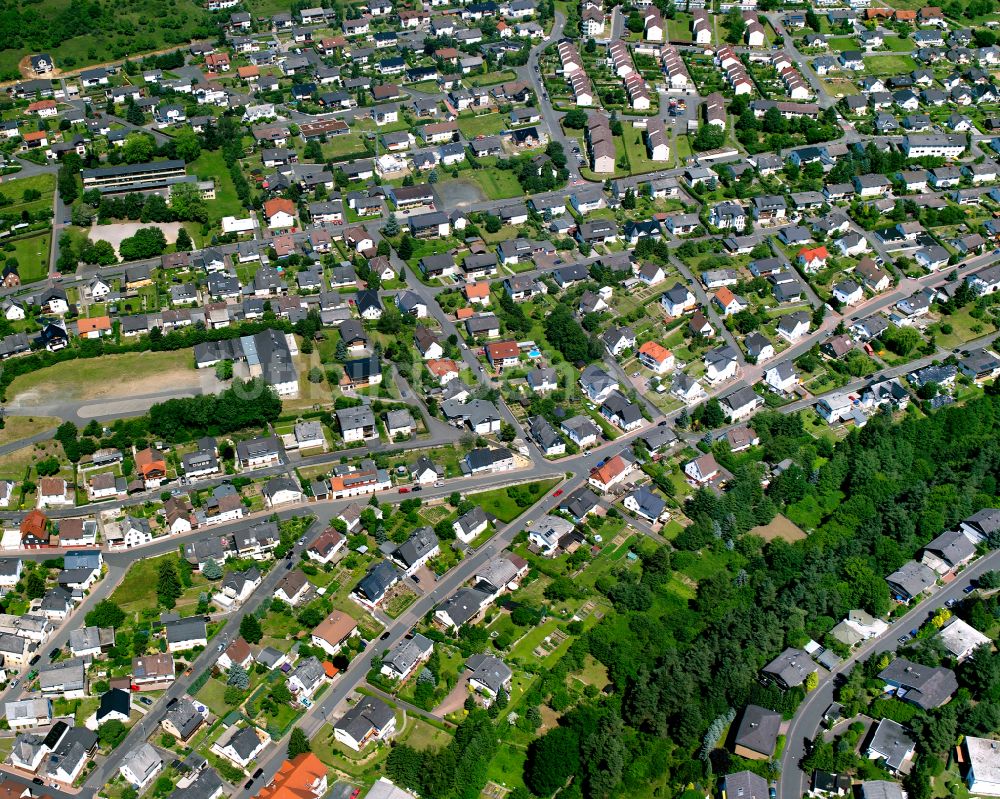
(804, 726)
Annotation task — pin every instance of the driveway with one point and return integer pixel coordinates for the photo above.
(455, 699)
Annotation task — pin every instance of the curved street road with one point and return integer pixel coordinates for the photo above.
(805, 725)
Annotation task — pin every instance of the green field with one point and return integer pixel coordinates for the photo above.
(344, 145)
(839, 43)
(499, 503)
(135, 592)
(484, 125)
(44, 184)
(210, 164)
(679, 28)
(32, 254)
(899, 44)
(491, 78)
(638, 158)
(497, 184)
(889, 65)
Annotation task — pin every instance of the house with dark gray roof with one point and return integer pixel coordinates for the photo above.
(421, 546)
(490, 675)
(790, 668)
(462, 607)
(369, 720)
(891, 743)
(910, 580)
(182, 719)
(402, 660)
(757, 734)
(745, 785)
(927, 687)
(372, 588)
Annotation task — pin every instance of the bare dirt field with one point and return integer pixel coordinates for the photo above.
(116, 233)
(109, 377)
(780, 527)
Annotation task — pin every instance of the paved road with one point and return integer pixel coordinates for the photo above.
(325, 711)
(804, 726)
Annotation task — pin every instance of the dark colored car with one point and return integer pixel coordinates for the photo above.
(38, 781)
(55, 653)
(247, 785)
(257, 773)
(172, 702)
(35, 659)
(383, 636)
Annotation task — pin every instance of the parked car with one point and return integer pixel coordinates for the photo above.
(404, 490)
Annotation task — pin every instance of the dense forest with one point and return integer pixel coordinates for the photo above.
(680, 670)
(879, 495)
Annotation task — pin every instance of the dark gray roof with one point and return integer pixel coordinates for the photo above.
(891, 742)
(472, 519)
(184, 717)
(952, 546)
(420, 542)
(464, 604)
(378, 580)
(367, 715)
(758, 730)
(926, 687)
(745, 785)
(207, 784)
(489, 670)
(186, 630)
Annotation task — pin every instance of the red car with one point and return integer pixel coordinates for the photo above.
(355, 793)
(404, 490)
(558, 493)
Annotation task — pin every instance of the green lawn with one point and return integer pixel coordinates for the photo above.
(497, 184)
(499, 503)
(32, 254)
(136, 592)
(679, 28)
(889, 65)
(962, 325)
(491, 78)
(344, 145)
(211, 694)
(482, 125)
(425, 86)
(638, 158)
(899, 44)
(210, 164)
(683, 148)
(838, 43)
(14, 190)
